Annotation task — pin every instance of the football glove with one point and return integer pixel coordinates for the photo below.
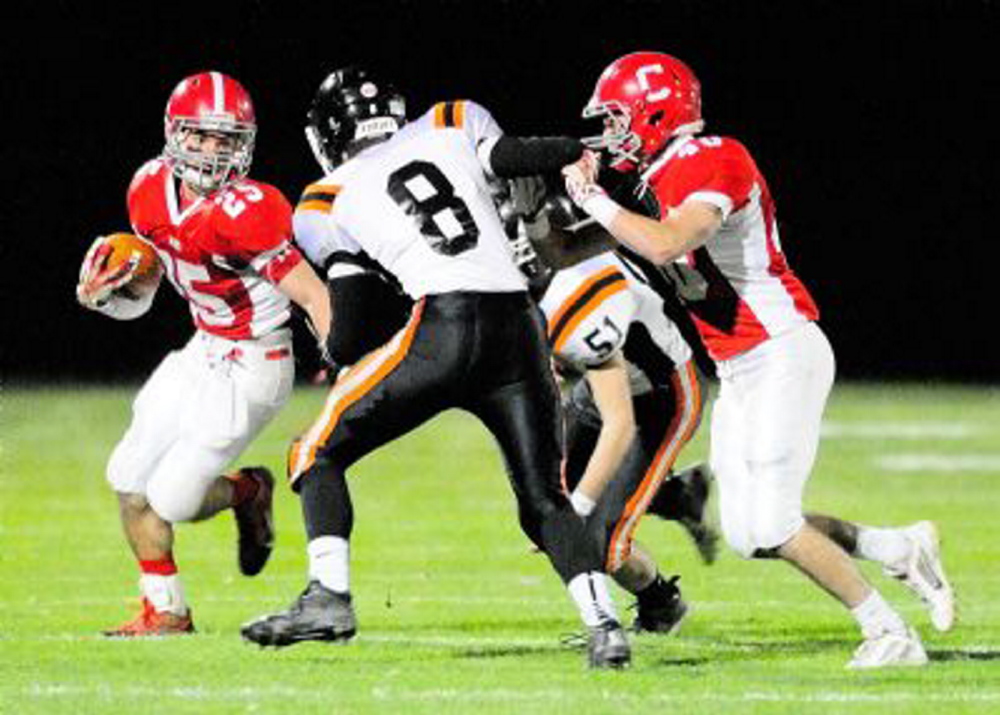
(97, 280)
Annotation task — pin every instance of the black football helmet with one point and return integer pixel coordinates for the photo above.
(351, 110)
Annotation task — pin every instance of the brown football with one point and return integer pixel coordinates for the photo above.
(147, 275)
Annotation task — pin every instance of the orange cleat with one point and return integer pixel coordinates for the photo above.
(152, 623)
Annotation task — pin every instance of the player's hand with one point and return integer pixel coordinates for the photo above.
(581, 178)
(97, 281)
(527, 196)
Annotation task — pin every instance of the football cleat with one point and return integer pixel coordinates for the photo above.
(890, 649)
(151, 623)
(662, 614)
(923, 573)
(697, 489)
(255, 522)
(318, 614)
(607, 646)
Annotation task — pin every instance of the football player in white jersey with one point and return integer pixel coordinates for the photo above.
(414, 197)
(632, 403)
(717, 238)
(224, 241)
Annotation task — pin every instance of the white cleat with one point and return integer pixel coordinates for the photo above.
(890, 649)
(923, 573)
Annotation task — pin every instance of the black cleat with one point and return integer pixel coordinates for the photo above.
(697, 483)
(255, 522)
(607, 646)
(662, 610)
(318, 614)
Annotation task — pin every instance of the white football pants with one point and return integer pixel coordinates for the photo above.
(765, 433)
(195, 414)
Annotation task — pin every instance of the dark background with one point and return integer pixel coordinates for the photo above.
(874, 123)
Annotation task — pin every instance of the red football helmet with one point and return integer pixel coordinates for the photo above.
(211, 103)
(645, 98)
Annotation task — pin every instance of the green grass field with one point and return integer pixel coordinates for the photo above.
(456, 615)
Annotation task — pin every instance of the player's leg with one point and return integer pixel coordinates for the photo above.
(195, 415)
(523, 413)
(666, 420)
(682, 496)
(149, 536)
(775, 401)
(392, 391)
(659, 605)
(910, 554)
(526, 429)
(234, 390)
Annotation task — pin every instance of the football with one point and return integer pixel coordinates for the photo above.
(147, 274)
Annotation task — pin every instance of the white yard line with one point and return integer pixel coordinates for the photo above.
(936, 462)
(556, 604)
(493, 695)
(903, 430)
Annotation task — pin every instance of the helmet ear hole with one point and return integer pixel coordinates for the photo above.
(656, 118)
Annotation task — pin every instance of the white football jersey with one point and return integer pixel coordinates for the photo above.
(595, 307)
(419, 204)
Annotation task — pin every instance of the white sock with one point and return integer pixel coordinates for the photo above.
(875, 616)
(889, 547)
(590, 593)
(166, 593)
(329, 562)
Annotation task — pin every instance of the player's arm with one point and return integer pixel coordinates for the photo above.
(365, 308)
(304, 288)
(685, 229)
(609, 385)
(660, 241)
(508, 157)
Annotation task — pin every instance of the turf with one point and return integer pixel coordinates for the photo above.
(456, 614)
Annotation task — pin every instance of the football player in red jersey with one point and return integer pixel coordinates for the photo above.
(716, 238)
(224, 241)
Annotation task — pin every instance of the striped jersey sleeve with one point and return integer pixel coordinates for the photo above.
(313, 223)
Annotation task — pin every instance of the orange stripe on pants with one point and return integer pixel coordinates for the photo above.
(686, 414)
(354, 384)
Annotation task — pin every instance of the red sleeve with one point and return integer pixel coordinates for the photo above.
(254, 226)
(253, 220)
(144, 209)
(711, 165)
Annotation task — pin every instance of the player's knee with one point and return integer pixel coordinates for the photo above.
(535, 508)
(768, 536)
(531, 524)
(737, 535)
(121, 470)
(171, 504)
(759, 535)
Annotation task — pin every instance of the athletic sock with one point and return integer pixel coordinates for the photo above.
(329, 562)
(590, 593)
(875, 616)
(161, 585)
(889, 547)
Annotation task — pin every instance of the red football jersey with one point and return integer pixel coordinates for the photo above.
(224, 253)
(738, 285)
